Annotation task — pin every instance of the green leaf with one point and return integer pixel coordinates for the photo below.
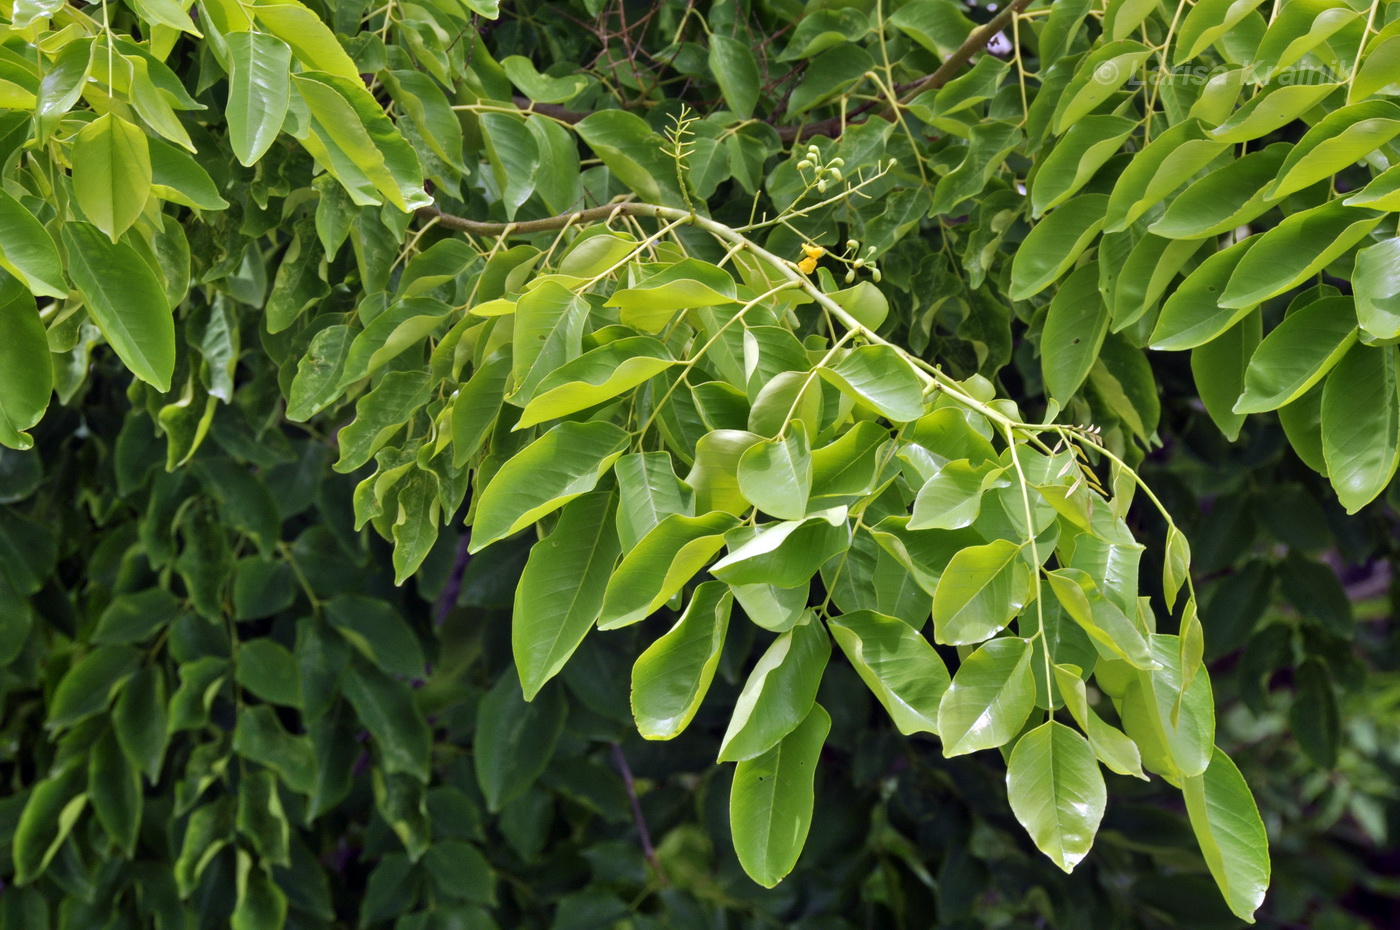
(937, 25)
(514, 739)
(259, 737)
(380, 414)
(952, 496)
(268, 670)
(139, 719)
(548, 332)
(89, 686)
(1055, 243)
(48, 817)
(1163, 165)
(594, 377)
(379, 633)
(26, 368)
(1219, 370)
(352, 137)
(111, 173)
(1101, 618)
(785, 554)
(830, 73)
(771, 800)
(1231, 834)
(1073, 161)
(632, 152)
(1057, 792)
(1361, 424)
(542, 88)
(1192, 316)
(125, 301)
(1075, 327)
(1224, 199)
(387, 709)
(670, 679)
(880, 378)
(562, 464)
(560, 594)
(1310, 240)
(477, 405)
(177, 177)
(648, 492)
(260, 67)
(1098, 76)
(260, 902)
(1376, 284)
(1338, 140)
(659, 565)
(733, 66)
(27, 251)
(1298, 354)
(1173, 723)
(1206, 22)
(514, 156)
(898, 665)
(1269, 111)
(1110, 745)
(991, 695)
(715, 474)
(317, 380)
(776, 475)
(114, 787)
(779, 692)
(981, 591)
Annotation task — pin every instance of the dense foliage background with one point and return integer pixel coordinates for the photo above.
(256, 671)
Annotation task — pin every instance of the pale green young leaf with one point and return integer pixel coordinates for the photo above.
(1110, 745)
(991, 696)
(477, 405)
(1232, 835)
(786, 554)
(26, 369)
(880, 378)
(28, 252)
(670, 679)
(1377, 288)
(982, 590)
(1101, 618)
(779, 692)
(899, 666)
(1057, 792)
(594, 377)
(111, 173)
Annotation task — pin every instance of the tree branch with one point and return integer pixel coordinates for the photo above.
(627, 782)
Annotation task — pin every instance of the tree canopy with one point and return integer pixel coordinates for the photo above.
(689, 464)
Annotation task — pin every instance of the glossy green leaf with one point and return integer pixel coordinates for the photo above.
(1057, 792)
(1232, 836)
(779, 692)
(732, 63)
(27, 251)
(1101, 618)
(1098, 76)
(1311, 240)
(898, 665)
(1224, 199)
(26, 369)
(1361, 424)
(595, 377)
(1206, 22)
(387, 709)
(89, 686)
(1376, 286)
(951, 498)
(548, 332)
(991, 695)
(49, 814)
(981, 591)
(771, 800)
(125, 300)
(1339, 139)
(1075, 327)
(1164, 165)
(648, 492)
(114, 788)
(562, 464)
(260, 67)
(111, 173)
(776, 475)
(671, 678)
(560, 594)
(1055, 243)
(1192, 316)
(715, 475)
(1073, 161)
(1219, 367)
(1110, 745)
(880, 378)
(1298, 354)
(660, 564)
(786, 554)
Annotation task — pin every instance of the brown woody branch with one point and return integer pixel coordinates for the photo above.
(833, 126)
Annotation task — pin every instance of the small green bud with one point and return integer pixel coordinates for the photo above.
(821, 186)
(839, 162)
(803, 165)
(852, 245)
(858, 263)
(875, 273)
(850, 276)
(836, 174)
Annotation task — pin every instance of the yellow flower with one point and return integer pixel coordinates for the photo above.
(812, 253)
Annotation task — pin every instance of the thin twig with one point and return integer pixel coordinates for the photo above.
(630, 784)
